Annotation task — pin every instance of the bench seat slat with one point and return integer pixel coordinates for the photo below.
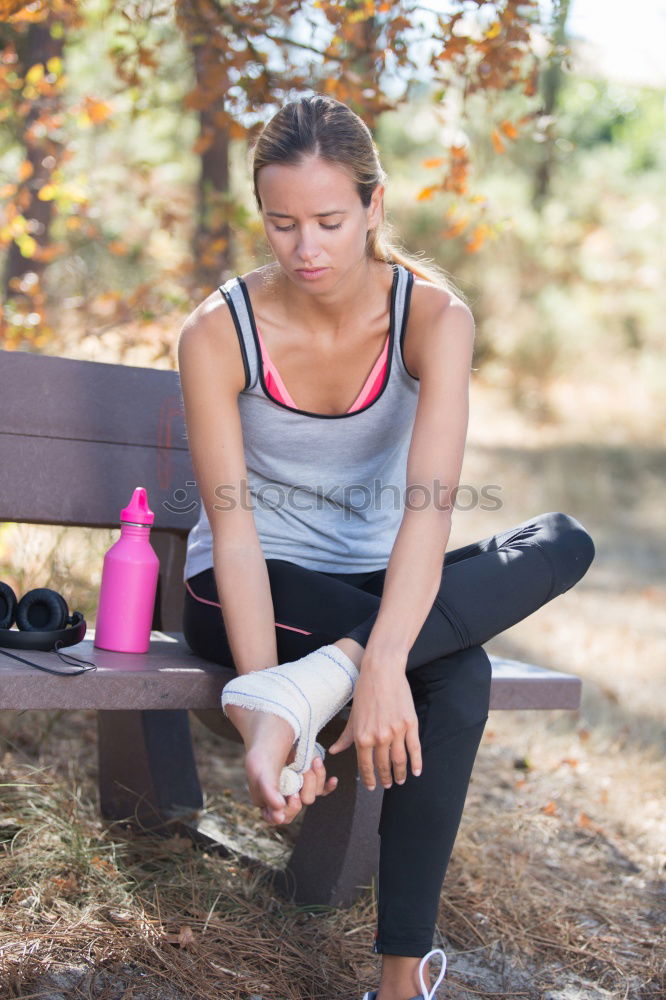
(170, 676)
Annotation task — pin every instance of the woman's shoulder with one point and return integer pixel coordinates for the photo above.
(429, 301)
(433, 312)
(433, 306)
(208, 336)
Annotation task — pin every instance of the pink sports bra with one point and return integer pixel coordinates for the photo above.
(279, 391)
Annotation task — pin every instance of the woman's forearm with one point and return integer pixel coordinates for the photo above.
(413, 577)
(247, 606)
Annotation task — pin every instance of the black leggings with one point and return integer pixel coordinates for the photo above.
(486, 587)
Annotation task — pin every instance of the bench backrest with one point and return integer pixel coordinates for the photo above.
(76, 438)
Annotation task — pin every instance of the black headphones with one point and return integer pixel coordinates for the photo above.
(43, 622)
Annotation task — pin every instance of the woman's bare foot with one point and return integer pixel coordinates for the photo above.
(269, 742)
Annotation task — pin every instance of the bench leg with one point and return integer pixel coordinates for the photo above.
(146, 765)
(337, 850)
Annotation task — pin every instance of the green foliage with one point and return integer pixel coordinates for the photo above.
(578, 287)
(594, 112)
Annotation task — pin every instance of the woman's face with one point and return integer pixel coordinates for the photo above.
(315, 221)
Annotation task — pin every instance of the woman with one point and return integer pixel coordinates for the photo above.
(326, 401)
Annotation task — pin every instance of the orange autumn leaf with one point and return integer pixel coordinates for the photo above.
(97, 111)
(14, 10)
(236, 130)
(147, 58)
(498, 145)
(588, 823)
(550, 809)
(65, 884)
(455, 229)
(530, 88)
(185, 936)
(196, 100)
(26, 170)
(478, 238)
(203, 142)
(426, 193)
(509, 129)
(101, 863)
(436, 161)
(52, 251)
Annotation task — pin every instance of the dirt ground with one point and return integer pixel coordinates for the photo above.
(555, 890)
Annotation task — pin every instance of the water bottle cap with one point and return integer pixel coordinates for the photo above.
(138, 511)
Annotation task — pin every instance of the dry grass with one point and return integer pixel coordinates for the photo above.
(539, 873)
(539, 878)
(193, 922)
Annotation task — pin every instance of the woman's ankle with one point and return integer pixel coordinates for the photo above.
(399, 978)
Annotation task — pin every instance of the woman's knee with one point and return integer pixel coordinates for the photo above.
(569, 547)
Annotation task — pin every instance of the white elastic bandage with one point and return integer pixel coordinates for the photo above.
(307, 693)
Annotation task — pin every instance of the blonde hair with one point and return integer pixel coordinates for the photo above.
(322, 126)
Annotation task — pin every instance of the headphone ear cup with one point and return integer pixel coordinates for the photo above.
(42, 610)
(7, 605)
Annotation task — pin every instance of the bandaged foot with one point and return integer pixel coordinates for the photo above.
(307, 693)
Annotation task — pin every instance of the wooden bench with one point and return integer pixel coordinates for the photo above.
(76, 437)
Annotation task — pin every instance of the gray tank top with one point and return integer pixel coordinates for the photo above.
(327, 491)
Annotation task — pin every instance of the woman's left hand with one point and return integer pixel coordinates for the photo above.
(384, 725)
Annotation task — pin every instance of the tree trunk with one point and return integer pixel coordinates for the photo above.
(36, 46)
(552, 85)
(212, 239)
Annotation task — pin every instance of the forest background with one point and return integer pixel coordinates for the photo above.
(124, 198)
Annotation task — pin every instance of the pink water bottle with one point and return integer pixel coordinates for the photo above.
(129, 582)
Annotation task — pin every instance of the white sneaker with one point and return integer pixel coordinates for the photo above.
(425, 994)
